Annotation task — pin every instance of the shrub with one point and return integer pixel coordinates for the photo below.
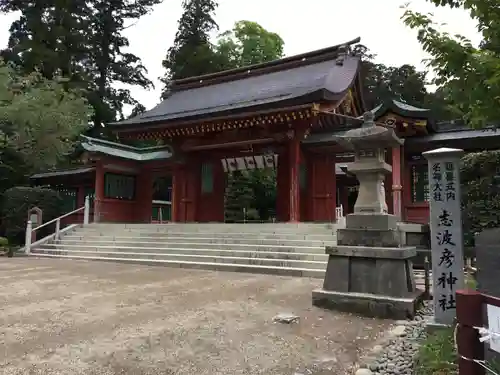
(437, 355)
(480, 193)
(4, 247)
(16, 203)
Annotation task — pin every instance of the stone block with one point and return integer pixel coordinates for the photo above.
(372, 252)
(389, 277)
(488, 261)
(370, 305)
(372, 221)
(368, 237)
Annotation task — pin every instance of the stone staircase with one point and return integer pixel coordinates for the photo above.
(281, 248)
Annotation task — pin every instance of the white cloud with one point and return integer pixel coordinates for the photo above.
(304, 26)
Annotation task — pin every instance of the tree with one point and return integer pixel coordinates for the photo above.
(48, 36)
(192, 53)
(382, 83)
(263, 185)
(109, 63)
(39, 118)
(239, 198)
(405, 83)
(83, 42)
(248, 43)
(470, 74)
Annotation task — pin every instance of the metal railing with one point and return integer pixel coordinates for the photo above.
(58, 231)
(339, 212)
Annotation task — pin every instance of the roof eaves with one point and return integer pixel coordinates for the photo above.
(124, 151)
(67, 172)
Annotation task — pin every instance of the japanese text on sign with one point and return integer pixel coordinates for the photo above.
(446, 230)
(443, 191)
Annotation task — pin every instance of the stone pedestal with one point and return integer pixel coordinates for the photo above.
(374, 279)
(370, 272)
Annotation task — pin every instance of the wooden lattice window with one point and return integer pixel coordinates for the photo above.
(119, 186)
(419, 183)
(207, 178)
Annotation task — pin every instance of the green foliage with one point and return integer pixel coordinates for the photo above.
(39, 119)
(239, 198)
(248, 43)
(192, 53)
(16, 203)
(81, 41)
(480, 177)
(4, 242)
(383, 83)
(437, 354)
(460, 66)
(263, 185)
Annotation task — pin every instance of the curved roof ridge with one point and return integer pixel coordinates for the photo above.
(401, 108)
(262, 68)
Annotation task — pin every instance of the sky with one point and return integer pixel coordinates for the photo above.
(303, 25)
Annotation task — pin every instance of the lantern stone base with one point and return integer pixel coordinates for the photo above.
(369, 273)
(431, 326)
(367, 304)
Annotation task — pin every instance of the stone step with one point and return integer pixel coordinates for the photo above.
(274, 254)
(228, 235)
(253, 259)
(193, 226)
(195, 246)
(160, 241)
(234, 267)
(211, 229)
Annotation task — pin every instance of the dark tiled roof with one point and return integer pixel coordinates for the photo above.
(444, 136)
(401, 109)
(454, 135)
(320, 75)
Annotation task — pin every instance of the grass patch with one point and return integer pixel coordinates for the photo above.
(437, 354)
(470, 282)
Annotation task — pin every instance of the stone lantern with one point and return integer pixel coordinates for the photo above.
(369, 271)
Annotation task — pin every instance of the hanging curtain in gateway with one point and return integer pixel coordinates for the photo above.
(250, 162)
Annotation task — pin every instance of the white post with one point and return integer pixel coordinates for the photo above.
(86, 211)
(446, 231)
(27, 242)
(58, 228)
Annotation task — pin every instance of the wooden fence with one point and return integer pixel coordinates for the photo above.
(470, 317)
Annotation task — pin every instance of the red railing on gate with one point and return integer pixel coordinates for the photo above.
(470, 313)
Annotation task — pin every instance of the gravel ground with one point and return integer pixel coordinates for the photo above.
(70, 317)
(396, 353)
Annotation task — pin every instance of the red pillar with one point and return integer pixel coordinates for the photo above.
(99, 192)
(177, 177)
(397, 181)
(211, 201)
(185, 192)
(282, 178)
(190, 190)
(219, 191)
(322, 192)
(294, 192)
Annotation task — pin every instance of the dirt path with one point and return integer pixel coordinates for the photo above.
(74, 317)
